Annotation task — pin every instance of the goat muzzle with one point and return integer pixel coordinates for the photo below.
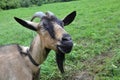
(66, 44)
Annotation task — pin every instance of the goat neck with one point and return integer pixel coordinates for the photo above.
(38, 52)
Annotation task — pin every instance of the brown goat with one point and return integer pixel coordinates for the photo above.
(21, 63)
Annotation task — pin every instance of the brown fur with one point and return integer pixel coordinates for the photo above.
(49, 42)
(12, 64)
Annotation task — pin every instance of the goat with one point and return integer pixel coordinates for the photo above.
(22, 63)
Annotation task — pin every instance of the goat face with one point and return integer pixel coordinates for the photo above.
(51, 30)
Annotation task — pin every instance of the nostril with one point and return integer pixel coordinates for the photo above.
(66, 38)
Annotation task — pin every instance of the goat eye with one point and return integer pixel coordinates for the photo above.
(45, 26)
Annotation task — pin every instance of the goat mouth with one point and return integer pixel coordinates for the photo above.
(60, 49)
(65, 48)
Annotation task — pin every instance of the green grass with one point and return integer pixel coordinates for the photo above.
(95, 32)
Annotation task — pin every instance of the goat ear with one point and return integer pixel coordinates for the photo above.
(69, 18)
(27, 24)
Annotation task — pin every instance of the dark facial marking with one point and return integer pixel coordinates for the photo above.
(59, 22)
(48, 25)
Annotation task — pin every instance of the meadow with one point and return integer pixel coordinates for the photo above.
(95, 32)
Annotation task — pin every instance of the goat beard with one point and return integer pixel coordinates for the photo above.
(60, 58)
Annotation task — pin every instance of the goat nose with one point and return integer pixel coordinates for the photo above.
(66, 37)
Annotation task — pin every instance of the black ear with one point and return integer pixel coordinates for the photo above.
(27, 24)
(60, 58)
(69, 18)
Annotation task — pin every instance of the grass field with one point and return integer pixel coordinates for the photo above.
(95, 32)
